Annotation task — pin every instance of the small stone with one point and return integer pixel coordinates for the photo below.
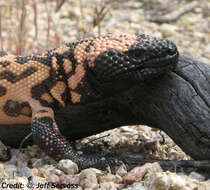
(34, 171)
(68, 166)
(129, 130)
(196, 176)
(36, 163)
(11, 169)
(121, 171)
(199, 35)
(168, 30)
(3, 173)
(24, 172)
(110, 177)
(46, 170)
(58, 172)
(137, 173)
(65, 179)
(108, 186)
(136, 186)
(88, 179)
(36, 179)
(151, 145)
(53, 178)
(69, 179)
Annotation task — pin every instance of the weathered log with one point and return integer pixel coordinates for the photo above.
(178, 103)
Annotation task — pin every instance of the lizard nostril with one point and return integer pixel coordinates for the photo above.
(171, 51)
(171, 48)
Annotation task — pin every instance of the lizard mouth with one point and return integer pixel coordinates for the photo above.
(156, 67)
(161, 61)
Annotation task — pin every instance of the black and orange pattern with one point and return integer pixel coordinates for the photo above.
(33, 87)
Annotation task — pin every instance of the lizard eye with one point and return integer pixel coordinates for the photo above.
(136, 54)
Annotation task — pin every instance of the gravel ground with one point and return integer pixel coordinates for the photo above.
(30, 167)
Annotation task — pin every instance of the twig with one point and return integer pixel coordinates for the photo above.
(35, 18)
(59, 4)
(48, 23)
(1, 39)
(174, 16)
(100, 137)
(57, 40)
(20, 47)
(25, 138)
(100, 13)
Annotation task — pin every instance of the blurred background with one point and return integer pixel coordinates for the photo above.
(31, 26)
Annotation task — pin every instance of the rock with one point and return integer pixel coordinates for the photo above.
(46, 170)
(11, 170)
(36, 179)
(196, 176)
(68, 166)
(108, 186)
(137, 173)
(168, 180)
(121, 171)
(37, 163)
(69, 179)
(137, 186)
(24, 172)
(168, 30)
(34, 171)
(110, 177)
(88, 179)
(57, 172)
(126, 129)
(199, 35)
(53, 178)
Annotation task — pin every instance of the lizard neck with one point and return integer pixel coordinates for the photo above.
(71, 75)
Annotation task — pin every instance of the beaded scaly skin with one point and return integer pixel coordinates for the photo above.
(33, 87)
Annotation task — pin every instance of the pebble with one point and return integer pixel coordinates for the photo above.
(197, 176)
(69, 179)
(38, 179)
(129, 130)
(53, 178)
(168, 180)
(24, 171)
(121, 171)
(11, 170)
(168, 30)
(36, 163)
(137, 186)
(108, 186)
(88, 179)
(137, 173)
(68, 166)
(34, 171)
(46, 170)
(110, 177)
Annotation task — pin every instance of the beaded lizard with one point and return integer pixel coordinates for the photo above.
(33, 87)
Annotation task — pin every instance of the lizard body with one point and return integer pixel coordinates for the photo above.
(32, 88)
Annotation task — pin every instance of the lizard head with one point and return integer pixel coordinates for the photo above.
(118, 61)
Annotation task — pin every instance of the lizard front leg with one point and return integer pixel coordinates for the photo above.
(47, 136)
